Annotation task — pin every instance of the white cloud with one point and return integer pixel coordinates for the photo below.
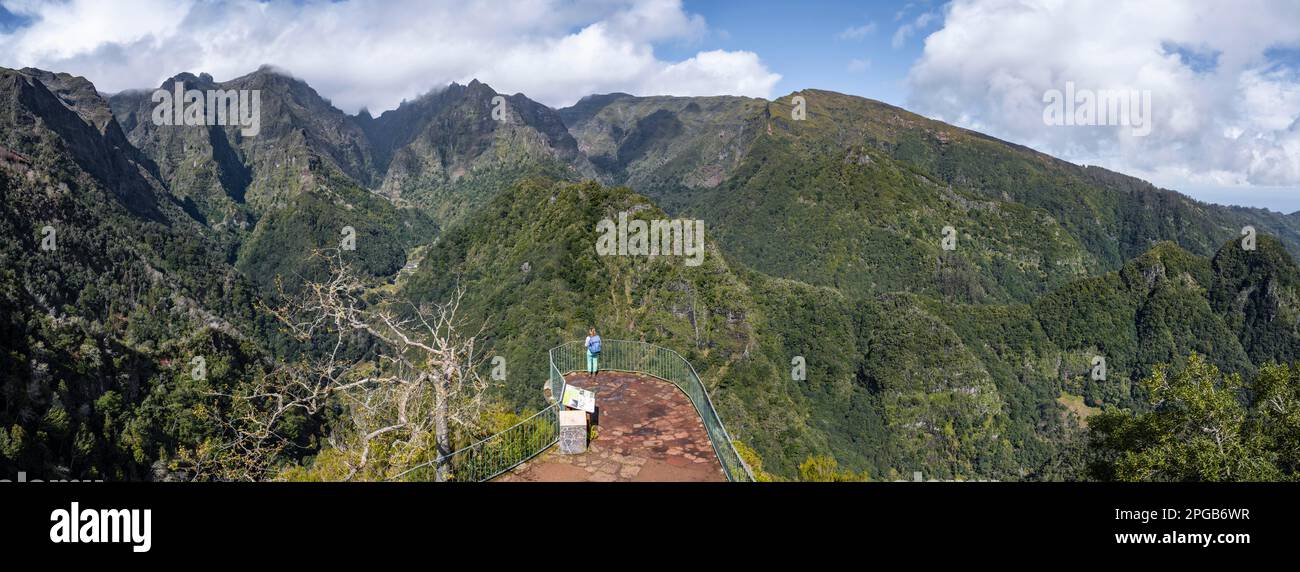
(910, 29)
(858, 32)
(374, 53)
(1232, 122)
(711, 73)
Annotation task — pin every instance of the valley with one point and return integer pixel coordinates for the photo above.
(822, 239)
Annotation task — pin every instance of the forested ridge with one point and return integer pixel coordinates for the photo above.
(192, 272)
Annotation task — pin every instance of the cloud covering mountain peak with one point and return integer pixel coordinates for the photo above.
(556, 51)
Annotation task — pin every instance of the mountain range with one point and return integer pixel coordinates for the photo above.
(969, 358)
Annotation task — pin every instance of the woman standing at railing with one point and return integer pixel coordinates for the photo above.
(593, 352)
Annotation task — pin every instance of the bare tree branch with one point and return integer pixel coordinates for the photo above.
(417, 384)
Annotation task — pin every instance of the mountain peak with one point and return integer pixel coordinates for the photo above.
(190, 81)
(269, 69)
(479, 89)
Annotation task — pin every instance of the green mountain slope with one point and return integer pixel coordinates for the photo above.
(531, 271)
(825, 247)
(108, 290)
(1258, 293)
(668, 148)
(299, 131)
(277, 196)
(856, 196)
(447, 152)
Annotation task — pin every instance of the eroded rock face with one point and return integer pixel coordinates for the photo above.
(659, 144)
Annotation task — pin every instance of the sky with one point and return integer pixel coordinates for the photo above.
(1222, 78)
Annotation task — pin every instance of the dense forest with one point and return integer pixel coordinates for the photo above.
(967, 308)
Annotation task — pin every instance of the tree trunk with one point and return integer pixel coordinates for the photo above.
(442, 428)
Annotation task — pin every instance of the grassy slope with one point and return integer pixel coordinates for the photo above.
(856, 196)
(529, 265)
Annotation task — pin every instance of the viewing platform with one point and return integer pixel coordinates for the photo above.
(646, 431)
(654, 422)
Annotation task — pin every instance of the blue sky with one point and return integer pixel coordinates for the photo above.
(842, 46)
(1222, 79)
(9, 20)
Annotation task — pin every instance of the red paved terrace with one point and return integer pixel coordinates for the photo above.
(647, 431)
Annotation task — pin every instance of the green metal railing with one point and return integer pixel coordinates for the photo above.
(503, 451)
(496, 454)
(663, 363)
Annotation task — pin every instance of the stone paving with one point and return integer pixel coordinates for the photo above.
(647, 431)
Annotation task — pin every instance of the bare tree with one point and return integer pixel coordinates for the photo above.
(400, 404)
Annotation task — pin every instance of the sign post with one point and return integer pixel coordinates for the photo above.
(573, 422)
(573, 432)
(579, 398)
